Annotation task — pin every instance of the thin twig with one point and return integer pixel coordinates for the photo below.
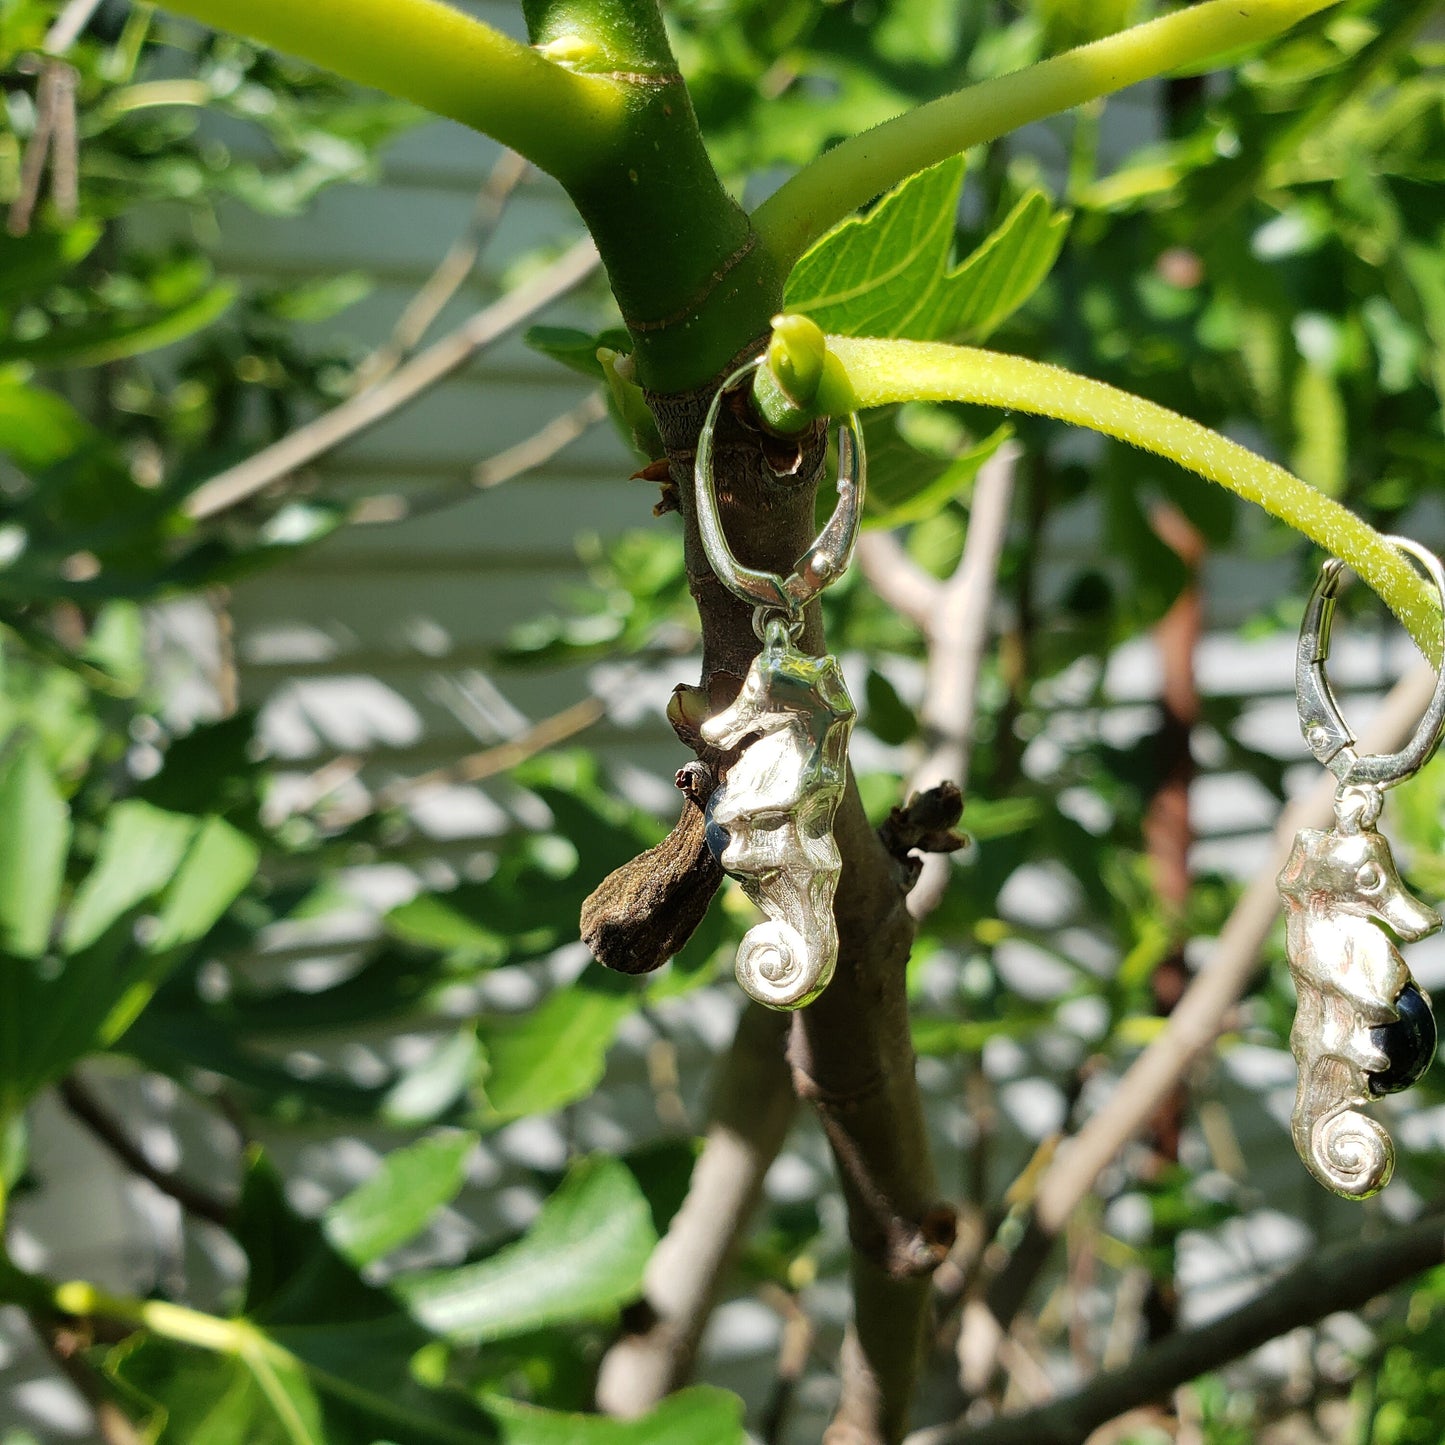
(423, 371)
(68, 26)
(957, 634)
(473, 768)
(37, 149)
(1344, 1278)
(752, 1109)
(515, 461)
(897, 578)
(64, 141)
(489, 762)
(794, 1347)
(451, 272)
(88, 1110)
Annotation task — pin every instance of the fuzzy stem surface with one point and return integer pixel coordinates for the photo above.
(883, 372)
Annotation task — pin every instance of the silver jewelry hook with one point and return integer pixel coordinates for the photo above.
(825, 561)
(1324, 728)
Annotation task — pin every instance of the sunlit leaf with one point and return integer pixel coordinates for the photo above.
(94, 343)
(702, 1415)
(582, 1258)
(431, 1087)
(555, 1053)
(888, 273)
(398, 1200)
(34, 841)
(218, 866)
(140, 849)
(38, 428)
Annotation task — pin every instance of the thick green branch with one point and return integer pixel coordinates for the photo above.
(883, 372)
(441, 58)
(852, 173)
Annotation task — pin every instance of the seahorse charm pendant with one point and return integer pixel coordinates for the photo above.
(770, 824)
(1364, 1028)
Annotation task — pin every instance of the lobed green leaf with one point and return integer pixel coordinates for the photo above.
(887, 273)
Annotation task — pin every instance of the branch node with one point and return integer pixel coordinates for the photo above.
(926, 823)
(912, 1249)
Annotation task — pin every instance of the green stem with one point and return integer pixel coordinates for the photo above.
(693, 284)
(884, 372)
(426, 51)
(852, 173)
(160, 1317)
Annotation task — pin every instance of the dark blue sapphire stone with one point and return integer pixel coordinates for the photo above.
(1409, 1043)
(716, 836)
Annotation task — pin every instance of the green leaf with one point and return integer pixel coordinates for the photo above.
(580, 1260)
(1006, 269)
(220, 863)
(888, 718)
(702, 1415)
(875, 275)
(887, 273)
(204, 1399)
(554, 1054)
(141, 848)
(906, 485)
(354, 1339)
(321, 1357)
(435, 1084)
(32, 262)
(319, 300)
(38, 428)
(577, 349)
(431, 920)
(34, 842)
(399, 1199)
(95, 343)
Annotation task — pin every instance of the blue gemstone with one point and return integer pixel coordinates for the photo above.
(716, 836)
(1409, 1043)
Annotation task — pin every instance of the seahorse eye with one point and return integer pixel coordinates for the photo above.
(1369, 879)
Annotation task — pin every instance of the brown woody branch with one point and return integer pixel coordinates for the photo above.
(1346, 1277)
(850, 1052)
(752, 1108)
(83, 1105)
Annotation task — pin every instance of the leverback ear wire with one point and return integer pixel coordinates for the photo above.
(1325, 731)
(1363, 1027)
(824, 562)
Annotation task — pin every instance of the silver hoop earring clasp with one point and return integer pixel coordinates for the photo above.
(1325, 731)
(824, 562)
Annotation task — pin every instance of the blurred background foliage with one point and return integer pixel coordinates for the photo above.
(1270, 261)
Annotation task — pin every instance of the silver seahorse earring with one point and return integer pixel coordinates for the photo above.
(770, 822)
(1363, 1027)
